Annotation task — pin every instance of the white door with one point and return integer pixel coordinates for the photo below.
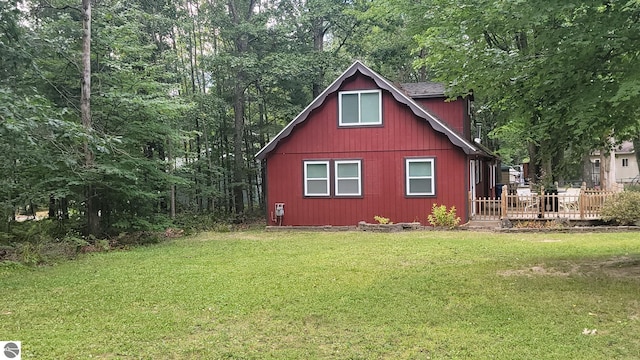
(472, 185)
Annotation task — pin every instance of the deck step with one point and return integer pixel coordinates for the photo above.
(482, 224)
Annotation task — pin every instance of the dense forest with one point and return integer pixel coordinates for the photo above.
(123, 116)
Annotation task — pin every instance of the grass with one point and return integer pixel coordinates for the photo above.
(257, 295)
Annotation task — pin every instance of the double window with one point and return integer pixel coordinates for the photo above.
(358, 108)
(347, 178)
(324, 178)
(419, 177)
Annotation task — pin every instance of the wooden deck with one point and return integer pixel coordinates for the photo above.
(572, 204)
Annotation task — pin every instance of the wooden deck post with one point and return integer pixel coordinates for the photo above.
(581, 199)
(471, 206)
(543, 203)
(505, 195)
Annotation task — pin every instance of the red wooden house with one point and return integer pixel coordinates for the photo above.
(367, 147)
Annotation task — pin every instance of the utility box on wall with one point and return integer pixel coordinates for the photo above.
(278, 213)
(279, 209)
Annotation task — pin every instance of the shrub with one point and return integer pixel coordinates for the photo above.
(632, 187)
(382, 220)
(30, 253)
(623, 208)
(193, 223)
(442, 218)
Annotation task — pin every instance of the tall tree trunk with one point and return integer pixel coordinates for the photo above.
(238, 134)
(264, 136)
(587, 170)
(198, 183)
(93, 219)
(239, 17)
(248, 165)
(534, 164)
(207, 154)
(53, 210)
(636, 149)
(172, 187)
(318, 47)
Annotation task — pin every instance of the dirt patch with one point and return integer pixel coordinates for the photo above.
(619, 267)
(538, 270)
(623, 266)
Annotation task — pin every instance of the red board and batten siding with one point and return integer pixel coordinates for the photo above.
(455, 112)
(382, 149)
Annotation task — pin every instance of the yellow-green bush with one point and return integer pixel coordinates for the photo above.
(440, 217)
(623, 208)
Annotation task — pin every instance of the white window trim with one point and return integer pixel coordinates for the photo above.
(336, 178)
(360, 123)
(432, 177)
(306, 179)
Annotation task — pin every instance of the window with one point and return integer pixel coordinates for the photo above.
(360, 108)
(316, 178)
(625, 162)
(419, 177)
(348, 178)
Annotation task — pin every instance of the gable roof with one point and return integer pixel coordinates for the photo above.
(437, 124)
(624, 148)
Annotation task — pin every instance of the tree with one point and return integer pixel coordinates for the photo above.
(174, 98)
(561, 71)
(93, 218)
(38, 141)
(133, 114)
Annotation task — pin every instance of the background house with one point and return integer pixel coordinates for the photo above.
(367, 147)
(626, 166)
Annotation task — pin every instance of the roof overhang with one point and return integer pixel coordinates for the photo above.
(437, 124)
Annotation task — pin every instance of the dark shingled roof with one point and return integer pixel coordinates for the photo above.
(423, 89)
(399, 95)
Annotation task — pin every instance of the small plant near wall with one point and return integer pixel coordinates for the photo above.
(441, 217)
(382, 220)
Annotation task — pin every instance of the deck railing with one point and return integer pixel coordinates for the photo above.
(574, 204)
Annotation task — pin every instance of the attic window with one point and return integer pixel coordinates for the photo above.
(357, 108)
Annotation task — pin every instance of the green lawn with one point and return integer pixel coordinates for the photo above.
(348, 295)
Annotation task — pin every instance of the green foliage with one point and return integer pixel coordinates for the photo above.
(132, 239)
(382, 220)
(193, 223)
(555, 76)
(441, 217)
(43, 242)
(622, 208)
(35, 231)
(30, 253)
(632, 187)
(75, 240)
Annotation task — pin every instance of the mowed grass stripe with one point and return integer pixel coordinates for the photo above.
(261, 295)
